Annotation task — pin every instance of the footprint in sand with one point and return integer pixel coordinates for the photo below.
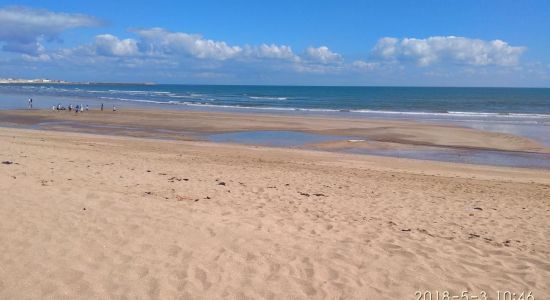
(202, 277)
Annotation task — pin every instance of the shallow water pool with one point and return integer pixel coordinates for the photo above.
(478, 157)
(274, 138)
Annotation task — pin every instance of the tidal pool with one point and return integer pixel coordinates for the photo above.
(274, 138)
(478, 157)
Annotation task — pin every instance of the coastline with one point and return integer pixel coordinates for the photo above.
(500, 110)
(368, 136)
(114, 215)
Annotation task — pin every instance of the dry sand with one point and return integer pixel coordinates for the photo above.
(99, 217)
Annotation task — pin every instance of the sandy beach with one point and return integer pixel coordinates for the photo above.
(110, 213)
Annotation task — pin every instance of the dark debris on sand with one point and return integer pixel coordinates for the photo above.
(172, 179)
(314, 194)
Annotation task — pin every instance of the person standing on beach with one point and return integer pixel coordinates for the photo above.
(114, 108)
(101, 106)
(30, 103)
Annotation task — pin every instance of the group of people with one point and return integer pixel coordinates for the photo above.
(78, 108)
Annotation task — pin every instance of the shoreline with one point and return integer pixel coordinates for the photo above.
(518, 120)
(368, 136)
(48, 100)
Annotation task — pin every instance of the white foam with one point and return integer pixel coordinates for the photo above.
(455, 113)
(452, 114)
(267, 98)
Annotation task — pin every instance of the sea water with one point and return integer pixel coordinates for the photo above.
(404, 100)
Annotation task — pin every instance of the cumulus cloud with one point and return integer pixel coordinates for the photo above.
(158, 41)
(157, 48)
(322, 54)
(22, 29)
(110, 45)
(448, 49)
(272, 51)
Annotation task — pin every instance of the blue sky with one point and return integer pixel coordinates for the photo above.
(434, 43)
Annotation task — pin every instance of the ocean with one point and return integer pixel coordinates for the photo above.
(405, 100)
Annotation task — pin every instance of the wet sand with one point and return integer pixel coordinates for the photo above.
(97, 216)
(191, 125)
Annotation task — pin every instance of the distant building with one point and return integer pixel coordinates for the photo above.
(30, 81)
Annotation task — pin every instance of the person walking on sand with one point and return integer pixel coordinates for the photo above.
(30, 103)
(87, 108)
(101, 106)
(114, 108)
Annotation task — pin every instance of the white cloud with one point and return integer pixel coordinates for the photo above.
(38, 58)
(448, 49)
(159, 48)
(158, 41)
(110, 45)
(22, 28)
(272, 51)
(386, 48)
(322, 54)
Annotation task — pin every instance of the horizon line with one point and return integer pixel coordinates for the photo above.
(274, 85)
